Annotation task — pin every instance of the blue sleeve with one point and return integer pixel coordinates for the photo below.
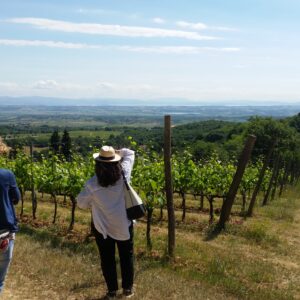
(14, 192)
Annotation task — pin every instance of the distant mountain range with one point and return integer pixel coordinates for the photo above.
(49, 101)
(52, 101)
(182, 111)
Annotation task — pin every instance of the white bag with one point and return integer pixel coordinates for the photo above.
(134, 205)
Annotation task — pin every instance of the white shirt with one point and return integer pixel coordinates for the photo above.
(108, 203)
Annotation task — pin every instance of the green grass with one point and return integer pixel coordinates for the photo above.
(281, 210)
(256, 258)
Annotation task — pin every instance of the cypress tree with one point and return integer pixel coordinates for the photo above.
(54, 142)
(66, 145)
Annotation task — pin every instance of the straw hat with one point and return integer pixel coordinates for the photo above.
(107, 154)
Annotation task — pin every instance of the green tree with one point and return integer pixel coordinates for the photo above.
(274, 141)
(54, 142)
(66, 145)
(295, 122)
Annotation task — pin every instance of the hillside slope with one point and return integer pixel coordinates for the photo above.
(255, 259)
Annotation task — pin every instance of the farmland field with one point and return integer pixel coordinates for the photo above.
(45, 137)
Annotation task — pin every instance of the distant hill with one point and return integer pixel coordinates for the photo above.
(49, 101)
(122, 111)
(53, 101)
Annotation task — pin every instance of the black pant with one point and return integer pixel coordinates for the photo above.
(108, 262)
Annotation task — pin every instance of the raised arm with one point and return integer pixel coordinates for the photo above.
(127, 161)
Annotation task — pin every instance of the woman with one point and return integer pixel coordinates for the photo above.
(9, 196)
(104, 194)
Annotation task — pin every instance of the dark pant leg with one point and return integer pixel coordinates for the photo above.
(106, 249)
(126, 260)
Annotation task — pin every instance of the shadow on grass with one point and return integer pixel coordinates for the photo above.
(212, 232)
(44, 236)
(148, 259)
(145, 260)
(85, 285)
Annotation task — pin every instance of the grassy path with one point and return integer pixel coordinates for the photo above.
(256, 259)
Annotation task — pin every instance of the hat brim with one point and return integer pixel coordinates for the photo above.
(115, 159)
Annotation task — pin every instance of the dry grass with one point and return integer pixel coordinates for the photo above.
(254, 259)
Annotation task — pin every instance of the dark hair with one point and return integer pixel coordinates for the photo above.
(108, 173)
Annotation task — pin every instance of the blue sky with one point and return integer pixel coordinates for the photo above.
(206, 51)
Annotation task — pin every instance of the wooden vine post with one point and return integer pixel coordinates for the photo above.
(260, 179)
(33, 195)
(169, 187)
(244, 158)
(272, 182)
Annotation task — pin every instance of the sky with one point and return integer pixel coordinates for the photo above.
(212, 51)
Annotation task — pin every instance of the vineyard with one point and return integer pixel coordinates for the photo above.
(255, 258)
(208, 180)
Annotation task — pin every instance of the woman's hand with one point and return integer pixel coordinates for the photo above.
(119, 152)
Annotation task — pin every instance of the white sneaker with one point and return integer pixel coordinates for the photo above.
(128, 293)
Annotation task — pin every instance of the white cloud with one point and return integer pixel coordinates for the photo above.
(45, 87)
(148, 49)
(202, 26)
(179, 49)
(8, 85)
(112, 30)
(159, 20)
(51, 44)
(213, 91)
(195, 26)
(106, 85)
(53, 88)
(137, 90)
(124, 88)
(45, 84)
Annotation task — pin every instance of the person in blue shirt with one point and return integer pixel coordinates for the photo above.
(9, 196)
